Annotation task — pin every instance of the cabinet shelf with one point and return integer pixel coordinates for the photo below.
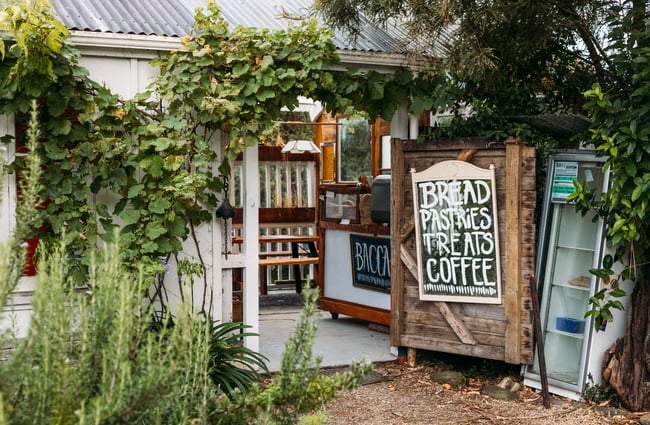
(575, 248)
(564, 376)
(568, 285)
(567, 334)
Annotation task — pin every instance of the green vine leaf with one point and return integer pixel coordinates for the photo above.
(159, 205)
(176, 228)
(130, 216)
(154, 230)
(154, 165)
(134, 191)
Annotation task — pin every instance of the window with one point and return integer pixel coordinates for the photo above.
(354, 149)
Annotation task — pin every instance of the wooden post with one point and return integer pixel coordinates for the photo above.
(397, 283)
(513, 241)
(539, 339)
(7, 182)
(411, 356)
(250, 287)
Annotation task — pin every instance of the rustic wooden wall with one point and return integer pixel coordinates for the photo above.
(492, 331)
(325, 132)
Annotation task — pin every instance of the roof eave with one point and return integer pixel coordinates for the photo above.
(148, 46)
(117, 44)
(379, 61)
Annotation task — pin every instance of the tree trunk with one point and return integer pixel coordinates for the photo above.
(626, 364)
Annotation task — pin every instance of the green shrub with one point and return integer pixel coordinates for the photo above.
(90, 356)
(298, 388)
(233, 366)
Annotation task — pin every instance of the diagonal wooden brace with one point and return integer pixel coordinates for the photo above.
(455, 323)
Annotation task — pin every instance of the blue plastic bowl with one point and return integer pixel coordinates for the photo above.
(567, 324)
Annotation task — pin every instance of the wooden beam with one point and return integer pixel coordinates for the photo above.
(306, 123)
(513, 253)
(408, 230)
(250, 231)
(360, 311)
(397, 281)
(274, 153)
(280, 215)
(411, 355)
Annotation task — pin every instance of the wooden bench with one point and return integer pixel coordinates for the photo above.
(284, 261)
(285, 258)
(287, 261)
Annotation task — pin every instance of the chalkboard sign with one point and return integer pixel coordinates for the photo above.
(370, 262)
(457, 235)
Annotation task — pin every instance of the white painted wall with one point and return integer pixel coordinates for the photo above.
(338, 274)
(128, 76)
(127, 73)
(124, 76)
(7, 183)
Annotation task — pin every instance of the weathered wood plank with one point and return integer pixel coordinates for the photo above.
(474, 324)
(487, 311)
(399, 174)
(276, 261)
(440, 330)
(409, 261)
(454, 321)
(443, 333)
(408, 230)
(513, 249)
(481, 351)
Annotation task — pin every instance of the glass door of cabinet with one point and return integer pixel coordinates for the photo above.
(571, 246)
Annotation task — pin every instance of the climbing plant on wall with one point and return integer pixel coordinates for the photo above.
(150, 163)
(152, 158)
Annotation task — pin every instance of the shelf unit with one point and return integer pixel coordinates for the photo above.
(571, 245)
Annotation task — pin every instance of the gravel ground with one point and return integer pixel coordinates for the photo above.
(397, 394)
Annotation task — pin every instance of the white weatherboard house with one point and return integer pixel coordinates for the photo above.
(117, 41)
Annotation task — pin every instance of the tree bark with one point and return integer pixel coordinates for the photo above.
(626, 364)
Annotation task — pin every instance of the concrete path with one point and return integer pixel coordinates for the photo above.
(338, 341)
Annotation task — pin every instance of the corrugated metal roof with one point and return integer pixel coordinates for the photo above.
(176, 17)
(268, 14)
(147, 17)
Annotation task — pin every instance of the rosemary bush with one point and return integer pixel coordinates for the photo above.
(90, 357)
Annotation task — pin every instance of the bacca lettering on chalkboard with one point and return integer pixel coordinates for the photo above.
(457, 233)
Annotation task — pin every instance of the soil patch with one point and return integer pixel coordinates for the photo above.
(408, 395)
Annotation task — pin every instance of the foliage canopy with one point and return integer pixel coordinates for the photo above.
(152, 164)
(511, 58)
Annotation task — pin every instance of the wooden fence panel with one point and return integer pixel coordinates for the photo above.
(493, 331)
(287, 203)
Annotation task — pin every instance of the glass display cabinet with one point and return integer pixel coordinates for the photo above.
(569, 246)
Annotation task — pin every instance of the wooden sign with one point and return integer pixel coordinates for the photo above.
(457, 236)
(370, 262)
